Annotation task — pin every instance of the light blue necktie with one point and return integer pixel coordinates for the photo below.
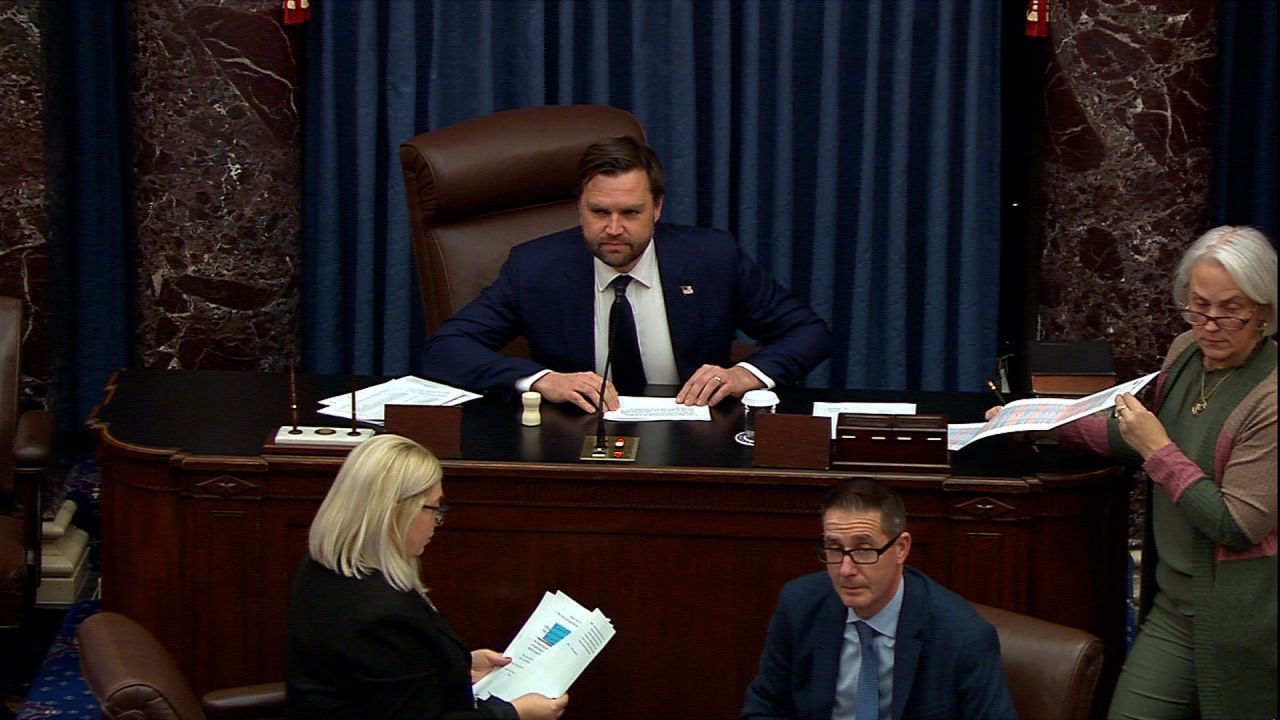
(866, 702)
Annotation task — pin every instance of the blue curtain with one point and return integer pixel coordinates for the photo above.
(1244, 188)
(89, 170)
(853, 147)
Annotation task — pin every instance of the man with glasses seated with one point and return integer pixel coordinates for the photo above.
(872, 639)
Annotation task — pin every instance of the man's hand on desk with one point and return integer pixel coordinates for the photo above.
(712, 383)
(580, 388)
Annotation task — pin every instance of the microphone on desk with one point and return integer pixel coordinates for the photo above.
(601, 446)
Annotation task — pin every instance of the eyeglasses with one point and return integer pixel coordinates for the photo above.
(1226, 322)
(860, 556)
(439, 510)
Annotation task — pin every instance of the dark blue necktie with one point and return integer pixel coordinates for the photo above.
(628, 368)
(866, 704)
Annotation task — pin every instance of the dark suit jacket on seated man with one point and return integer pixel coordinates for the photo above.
(935, 657)
(692, 289)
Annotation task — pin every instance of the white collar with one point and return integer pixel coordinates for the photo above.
(645, 272)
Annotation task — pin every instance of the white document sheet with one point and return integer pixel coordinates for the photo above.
(555, 645)
(1041, 413)
(408, 390)
(639, 409)
(833, 410)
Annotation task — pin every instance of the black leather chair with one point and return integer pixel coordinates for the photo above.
(26, 441)
(477, 188)
(134, 678)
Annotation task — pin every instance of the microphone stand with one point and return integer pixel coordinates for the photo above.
(616, 448)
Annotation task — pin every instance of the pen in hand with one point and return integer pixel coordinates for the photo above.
(999, 398)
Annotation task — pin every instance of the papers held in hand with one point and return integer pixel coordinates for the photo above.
(555, 645)
(1040, 414)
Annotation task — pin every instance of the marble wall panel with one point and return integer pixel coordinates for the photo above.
(1128, 103)
(23, 228)
(216, 118)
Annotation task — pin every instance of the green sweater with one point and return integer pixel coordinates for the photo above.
(1220, 473)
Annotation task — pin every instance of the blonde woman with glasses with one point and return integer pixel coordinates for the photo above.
(364, 639)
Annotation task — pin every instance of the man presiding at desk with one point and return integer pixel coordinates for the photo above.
(680, 294)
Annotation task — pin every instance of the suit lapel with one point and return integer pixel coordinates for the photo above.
(827, 645)
(680, 294)
(574, 292)
(907, 646)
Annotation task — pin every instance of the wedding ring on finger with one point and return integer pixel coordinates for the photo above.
(717, 380)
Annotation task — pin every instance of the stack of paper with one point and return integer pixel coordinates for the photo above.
(408, 390)
(1040, 414)
(555, 645)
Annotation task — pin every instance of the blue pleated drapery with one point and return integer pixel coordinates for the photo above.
(1246, 158)
(90, 203)
(853, 147)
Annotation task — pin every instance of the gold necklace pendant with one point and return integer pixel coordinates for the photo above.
(1203, 403)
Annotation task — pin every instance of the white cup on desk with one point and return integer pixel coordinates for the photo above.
(755, 403)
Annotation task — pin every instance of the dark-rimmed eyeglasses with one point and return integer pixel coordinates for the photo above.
(439, 510)
(1226, 322)
(832, 555)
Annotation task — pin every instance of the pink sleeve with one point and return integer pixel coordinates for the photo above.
(1172, 470)
(1089, 433)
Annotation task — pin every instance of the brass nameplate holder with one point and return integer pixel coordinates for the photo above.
(896, 443)
(298, 439)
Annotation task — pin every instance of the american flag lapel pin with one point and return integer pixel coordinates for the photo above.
(686, 289)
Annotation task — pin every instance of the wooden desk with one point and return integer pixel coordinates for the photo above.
(685, 550)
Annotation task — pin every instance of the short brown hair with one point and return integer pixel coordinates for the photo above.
(618, 155)
(869, 495)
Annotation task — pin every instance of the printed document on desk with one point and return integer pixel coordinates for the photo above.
(555, 645)
(1040, 414)
(408, 390)
(632, 408)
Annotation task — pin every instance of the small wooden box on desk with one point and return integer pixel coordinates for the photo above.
(893, 443)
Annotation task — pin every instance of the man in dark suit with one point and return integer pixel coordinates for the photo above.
(689, 290)
(871, 638)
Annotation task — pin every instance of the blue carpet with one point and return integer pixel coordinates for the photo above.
(58, 689)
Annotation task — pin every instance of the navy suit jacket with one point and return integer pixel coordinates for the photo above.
(946, 658)
(546, 292)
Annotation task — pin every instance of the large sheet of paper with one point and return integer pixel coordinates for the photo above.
(1040, 414)
(833, 410)
(642, 409)
(555, 645)
(371, 402)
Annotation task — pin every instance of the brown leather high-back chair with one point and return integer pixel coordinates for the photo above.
(134, 677)
(482, 186)
(26, 441)
(1052, 669)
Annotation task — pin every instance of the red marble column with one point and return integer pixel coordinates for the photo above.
(216, 121)
(23, 225)
(1129, 109)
